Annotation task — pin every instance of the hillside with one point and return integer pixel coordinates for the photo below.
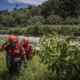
(50, 12)
(42, 19)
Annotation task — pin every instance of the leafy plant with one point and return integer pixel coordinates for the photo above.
(62, 57)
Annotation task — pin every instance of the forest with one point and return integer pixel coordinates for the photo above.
(35, 20)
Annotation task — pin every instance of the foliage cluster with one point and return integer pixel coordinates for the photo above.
(39, 30)
(61, 56)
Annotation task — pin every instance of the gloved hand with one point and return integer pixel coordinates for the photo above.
(25, 64)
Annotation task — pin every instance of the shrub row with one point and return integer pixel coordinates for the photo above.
(40, 30)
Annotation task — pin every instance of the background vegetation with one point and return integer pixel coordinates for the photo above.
(62, 57)
(33, 30)
(34, 20)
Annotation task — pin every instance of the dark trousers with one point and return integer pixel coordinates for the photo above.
(14, 68)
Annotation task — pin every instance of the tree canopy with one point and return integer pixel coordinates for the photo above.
(53, 12)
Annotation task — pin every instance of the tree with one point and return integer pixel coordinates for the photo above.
(68, 8)
(20, 19)
(35, 11)
(36, 20)
(54, 19)
(2, 11)
(15, 9)
(47, 7)
(14, 14)
(29, 7)
(6, 10)
(63, 8)
(1, 19)
(8, 22)
(16, 5)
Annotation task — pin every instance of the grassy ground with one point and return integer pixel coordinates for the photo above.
(34, 71)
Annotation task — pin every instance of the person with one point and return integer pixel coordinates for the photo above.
(13, 52)
(28, 48)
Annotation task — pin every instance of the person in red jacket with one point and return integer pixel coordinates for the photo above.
(13, 55)
(28, 48)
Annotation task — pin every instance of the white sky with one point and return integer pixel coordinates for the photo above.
(34, 2)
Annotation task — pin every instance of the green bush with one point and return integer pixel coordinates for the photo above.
(10, 31)
(8, 22)
(44, 29)
(1, 26)
(72, 21)
(76, 20)
(38, 30)
(57, 29)
(3, 32)
(65, 30)
(68, 20)
(33, 30)
(77, 32)
(62, 58)
(29, 31)
(54, 19)
(16, 31)
(35, 20)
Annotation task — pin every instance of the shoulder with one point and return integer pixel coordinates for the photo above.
(30, 45)
(6, 46)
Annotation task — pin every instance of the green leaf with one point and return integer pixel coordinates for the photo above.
(44, 36)
(54, 33)
(75, 66)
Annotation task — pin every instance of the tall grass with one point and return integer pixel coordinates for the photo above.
(34, 71)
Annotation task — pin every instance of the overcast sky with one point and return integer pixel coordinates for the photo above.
(10, 4)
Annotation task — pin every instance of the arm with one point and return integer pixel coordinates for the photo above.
(23, 53)
(3, 47)
(25, 61)
(24, 56)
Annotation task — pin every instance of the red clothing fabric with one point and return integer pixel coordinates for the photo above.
(16, 51)
(27, 49)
